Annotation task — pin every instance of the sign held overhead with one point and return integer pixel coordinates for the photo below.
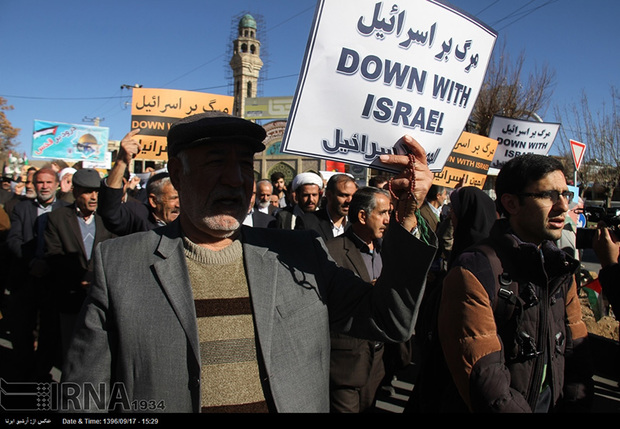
(375, 71)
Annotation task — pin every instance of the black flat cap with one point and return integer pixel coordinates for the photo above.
(87, 178)
(210, 127)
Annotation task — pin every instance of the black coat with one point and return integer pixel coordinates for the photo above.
(66, 256)
(123, 218)
(263, 220)
(351, 358)
(320, 222)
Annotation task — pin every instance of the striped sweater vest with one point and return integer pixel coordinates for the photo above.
(230, 380)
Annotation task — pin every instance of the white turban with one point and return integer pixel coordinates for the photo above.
(307, 179)
(64, 171)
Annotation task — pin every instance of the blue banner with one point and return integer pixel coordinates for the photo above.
(56, 140)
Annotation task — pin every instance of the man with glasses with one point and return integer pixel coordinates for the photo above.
(509, 320)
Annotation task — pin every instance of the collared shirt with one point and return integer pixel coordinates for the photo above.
(371, 257)
(436, 210)
(337, 230)
(248, 219)
(88, 221)
(43, 209)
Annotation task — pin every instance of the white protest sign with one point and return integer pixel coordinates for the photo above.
(375, 71)
(516, 137)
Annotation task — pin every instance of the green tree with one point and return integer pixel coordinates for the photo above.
(7, 132)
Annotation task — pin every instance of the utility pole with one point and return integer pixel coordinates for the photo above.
(95, 120)
(125, 86)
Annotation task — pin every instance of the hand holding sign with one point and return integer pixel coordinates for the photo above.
(409, 188)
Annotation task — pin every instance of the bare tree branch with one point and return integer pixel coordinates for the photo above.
(599, 130)
(505, 93)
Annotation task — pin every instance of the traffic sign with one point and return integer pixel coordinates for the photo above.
(577, 149)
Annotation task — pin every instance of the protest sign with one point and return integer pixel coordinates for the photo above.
(375, 71)
(516, 137)
(70, 142)
(155, 110)
(468, 164)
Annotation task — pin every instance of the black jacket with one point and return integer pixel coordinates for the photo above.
(123, 218)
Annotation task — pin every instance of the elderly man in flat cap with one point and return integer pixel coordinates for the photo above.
(205, 314)
(71, 235)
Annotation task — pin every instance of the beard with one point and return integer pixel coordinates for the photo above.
(44, 196)
(223, 226)
(222, 213)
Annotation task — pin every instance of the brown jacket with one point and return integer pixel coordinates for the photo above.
(502, 365)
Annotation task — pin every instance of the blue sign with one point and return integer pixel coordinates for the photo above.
(55, 140)
(581, 220)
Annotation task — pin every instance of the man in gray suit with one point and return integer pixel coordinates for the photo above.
(205, 314)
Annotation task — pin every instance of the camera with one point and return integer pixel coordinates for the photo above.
(595, 215)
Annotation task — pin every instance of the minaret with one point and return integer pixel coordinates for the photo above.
(245, 63)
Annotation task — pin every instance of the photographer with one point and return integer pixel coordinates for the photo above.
(607, 249)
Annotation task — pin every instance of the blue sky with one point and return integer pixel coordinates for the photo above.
(65, 60)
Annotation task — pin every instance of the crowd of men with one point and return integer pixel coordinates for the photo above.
(53, 222)
(213, 291)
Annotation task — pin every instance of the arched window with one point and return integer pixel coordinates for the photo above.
(249, 93)
(284, 168)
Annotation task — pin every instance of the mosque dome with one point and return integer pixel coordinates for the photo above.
(247, 21)
(87, 138)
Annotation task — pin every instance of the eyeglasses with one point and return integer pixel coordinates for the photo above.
(553, 196)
